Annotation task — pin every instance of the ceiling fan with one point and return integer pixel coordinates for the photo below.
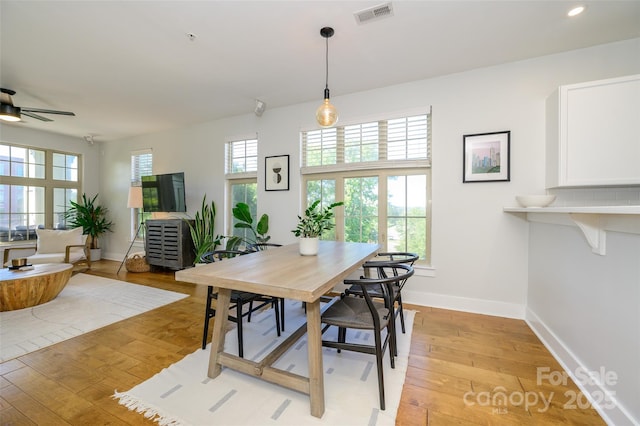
(9, 112)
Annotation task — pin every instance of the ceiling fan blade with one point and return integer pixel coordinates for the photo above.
(36, 116)
(46, 111)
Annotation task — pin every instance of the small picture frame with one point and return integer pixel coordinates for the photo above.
(276, 173)
(486, 157)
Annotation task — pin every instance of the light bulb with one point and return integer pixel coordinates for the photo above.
(9, 118)
(326, 114)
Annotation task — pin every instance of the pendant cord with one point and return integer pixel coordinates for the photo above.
(326, 82)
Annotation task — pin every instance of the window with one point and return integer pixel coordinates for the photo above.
(382, 171)
(141, 165)
(241, 171)
(37, 186)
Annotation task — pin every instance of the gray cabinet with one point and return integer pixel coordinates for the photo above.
(168, 243)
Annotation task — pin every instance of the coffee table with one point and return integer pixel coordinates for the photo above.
(23, 289)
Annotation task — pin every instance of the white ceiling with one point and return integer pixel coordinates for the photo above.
(128, 68)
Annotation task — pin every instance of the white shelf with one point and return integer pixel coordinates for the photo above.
(577, 209)
(594, 221)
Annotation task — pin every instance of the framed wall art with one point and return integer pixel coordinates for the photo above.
(276, 173)
(486, 157)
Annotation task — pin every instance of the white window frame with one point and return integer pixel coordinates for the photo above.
(381, 167)
(139, 168)
(48, 182)
(234, 178)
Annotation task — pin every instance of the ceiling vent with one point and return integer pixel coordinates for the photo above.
(374, 13)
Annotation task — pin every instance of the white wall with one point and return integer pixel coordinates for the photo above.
(586, 308)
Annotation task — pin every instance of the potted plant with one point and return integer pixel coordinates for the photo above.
(202, 228)
(92, 218)
(311, 226)
(258, 231)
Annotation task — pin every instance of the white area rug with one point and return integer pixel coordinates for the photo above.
(86, 303)
(183, 394)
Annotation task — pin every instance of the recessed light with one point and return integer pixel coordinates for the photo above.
(576, 11)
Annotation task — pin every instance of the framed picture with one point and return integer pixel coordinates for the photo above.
(276, 173)
(485, 157)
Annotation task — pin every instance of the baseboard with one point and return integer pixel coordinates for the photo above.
(465, 304)
(600, 398)
(112, 256)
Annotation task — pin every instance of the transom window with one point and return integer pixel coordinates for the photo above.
(241, 156)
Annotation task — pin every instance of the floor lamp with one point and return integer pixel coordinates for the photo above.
(134, 202)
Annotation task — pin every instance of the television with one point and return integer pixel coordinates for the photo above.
(163, 193)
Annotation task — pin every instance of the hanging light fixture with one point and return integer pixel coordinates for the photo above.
(9, 112)
(326, 114)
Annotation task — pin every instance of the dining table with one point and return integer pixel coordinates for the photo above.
(280, 272)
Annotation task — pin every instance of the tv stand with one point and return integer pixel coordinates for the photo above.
(168, 243)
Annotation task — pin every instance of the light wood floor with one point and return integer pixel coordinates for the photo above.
(459, 365)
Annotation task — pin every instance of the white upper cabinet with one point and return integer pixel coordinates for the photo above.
(593, 134)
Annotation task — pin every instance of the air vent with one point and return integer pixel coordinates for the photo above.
(374, 13)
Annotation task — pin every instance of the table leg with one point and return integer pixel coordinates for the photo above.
(316, 373)
(219, 331)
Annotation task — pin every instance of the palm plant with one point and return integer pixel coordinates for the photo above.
(89, 216)
(202, 229)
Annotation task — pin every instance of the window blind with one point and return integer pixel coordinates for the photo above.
(241, 158)
(141, 165)
(399, 142)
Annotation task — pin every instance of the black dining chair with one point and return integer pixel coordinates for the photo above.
(261, 247)
(387, 258)
(239, 299)
(365, 312)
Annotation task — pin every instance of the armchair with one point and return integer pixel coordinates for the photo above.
(55, 246)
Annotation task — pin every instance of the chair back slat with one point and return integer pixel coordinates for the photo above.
(218, 255)
(261, 246)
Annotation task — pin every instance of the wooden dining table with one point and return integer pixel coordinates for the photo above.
(280, 272)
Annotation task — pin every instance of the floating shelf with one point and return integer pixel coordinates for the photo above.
(594, 221)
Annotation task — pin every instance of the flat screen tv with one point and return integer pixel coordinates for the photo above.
(163, 193)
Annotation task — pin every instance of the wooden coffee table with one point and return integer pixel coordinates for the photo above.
(23, 289)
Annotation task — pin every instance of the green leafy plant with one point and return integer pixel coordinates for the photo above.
(202, 228)
(89, 216)
(315, 221)
(258, 231)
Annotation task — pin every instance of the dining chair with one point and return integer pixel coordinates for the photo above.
(239, 299)
(383, 264)
(261, 247)
(385, 259)
(366, 312)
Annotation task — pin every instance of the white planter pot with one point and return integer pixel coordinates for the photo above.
(309, 246)
(96, 254)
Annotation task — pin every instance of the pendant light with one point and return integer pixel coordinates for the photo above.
(326, 114)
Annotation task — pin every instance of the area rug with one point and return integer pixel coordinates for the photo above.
(86, 303)
(183, 394)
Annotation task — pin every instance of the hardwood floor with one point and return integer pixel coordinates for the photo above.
(460, 366)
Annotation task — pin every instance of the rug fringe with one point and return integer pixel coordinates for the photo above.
(147, 410)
